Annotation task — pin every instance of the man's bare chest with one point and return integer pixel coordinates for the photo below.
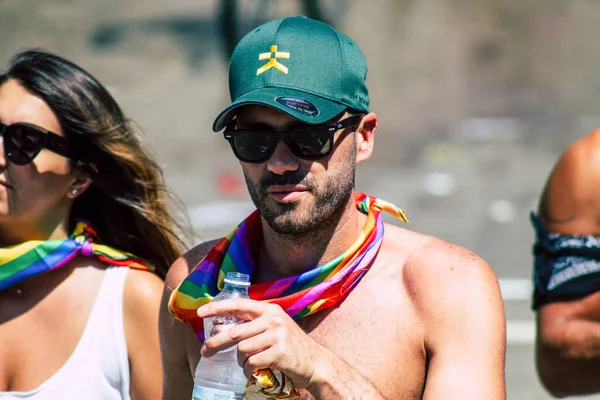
(376, 336)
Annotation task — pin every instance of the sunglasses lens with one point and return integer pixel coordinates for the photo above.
(311, 143)
(22, 144)
(254, 146)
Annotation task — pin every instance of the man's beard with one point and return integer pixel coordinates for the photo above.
(286, 218)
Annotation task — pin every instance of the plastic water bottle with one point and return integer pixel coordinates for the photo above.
(220, 377)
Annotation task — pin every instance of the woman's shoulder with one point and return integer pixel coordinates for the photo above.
(141, 302)
(142, 285)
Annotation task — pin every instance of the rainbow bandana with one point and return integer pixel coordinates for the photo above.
(23, 261)
(320, 288)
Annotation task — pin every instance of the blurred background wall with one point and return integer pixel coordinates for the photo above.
(476, 101)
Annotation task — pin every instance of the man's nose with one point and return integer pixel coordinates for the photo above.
(282, 159)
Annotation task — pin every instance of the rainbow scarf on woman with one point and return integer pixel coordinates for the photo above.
(26, 260)
(317, 289)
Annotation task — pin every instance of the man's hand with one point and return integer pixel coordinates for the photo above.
(270, 339)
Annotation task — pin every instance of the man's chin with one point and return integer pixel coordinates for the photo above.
(289, 228)
(292, 222)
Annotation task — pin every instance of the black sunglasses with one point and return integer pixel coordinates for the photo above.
(311, 142)
(23, 142)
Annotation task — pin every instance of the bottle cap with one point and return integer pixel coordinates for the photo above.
(237, 278)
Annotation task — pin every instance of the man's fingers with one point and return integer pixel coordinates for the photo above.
(241, 308)
(254, 345)
(261, 360)
(232, 336)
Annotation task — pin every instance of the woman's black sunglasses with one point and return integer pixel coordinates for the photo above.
(311, 142)
(23, 142)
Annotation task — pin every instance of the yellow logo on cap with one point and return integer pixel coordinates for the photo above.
(272, 56)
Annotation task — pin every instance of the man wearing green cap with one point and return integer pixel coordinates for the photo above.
(343, 306)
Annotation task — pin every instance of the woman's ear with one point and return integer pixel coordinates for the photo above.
(83, 179)
(365, 137)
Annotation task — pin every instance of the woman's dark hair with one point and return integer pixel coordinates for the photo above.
(127, 200)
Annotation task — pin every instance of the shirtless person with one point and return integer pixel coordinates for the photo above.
(415, 317)
(567, 278)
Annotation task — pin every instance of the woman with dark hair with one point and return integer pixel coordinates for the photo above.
(83, 223)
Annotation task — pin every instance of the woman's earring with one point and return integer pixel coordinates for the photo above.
(74, 192)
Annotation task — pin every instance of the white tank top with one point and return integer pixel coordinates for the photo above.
(98, 369)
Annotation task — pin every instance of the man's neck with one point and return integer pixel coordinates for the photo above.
(283, 255)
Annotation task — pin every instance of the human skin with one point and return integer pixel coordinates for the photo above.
(35, 202)
(426, 321)
(568, 340)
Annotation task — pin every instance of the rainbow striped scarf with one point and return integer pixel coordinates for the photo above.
(317, 289)
(25, 260)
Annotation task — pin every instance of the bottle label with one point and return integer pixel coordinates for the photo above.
(203, 393)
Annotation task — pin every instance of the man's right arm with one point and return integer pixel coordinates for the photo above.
(180, 348)
(568, 340)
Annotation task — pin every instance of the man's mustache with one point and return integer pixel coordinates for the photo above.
(288, 178)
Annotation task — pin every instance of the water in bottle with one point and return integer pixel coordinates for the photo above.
(220, 377)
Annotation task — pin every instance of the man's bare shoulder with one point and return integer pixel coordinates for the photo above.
(569, 202)
(580, 163)
(448, 286)
(438, 260)
(432, 267)
(182, 267)
(415, 245)
(585, 149)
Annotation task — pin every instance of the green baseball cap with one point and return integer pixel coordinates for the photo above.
(299, 66)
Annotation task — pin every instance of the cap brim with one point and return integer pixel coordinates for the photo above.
(309, 108)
